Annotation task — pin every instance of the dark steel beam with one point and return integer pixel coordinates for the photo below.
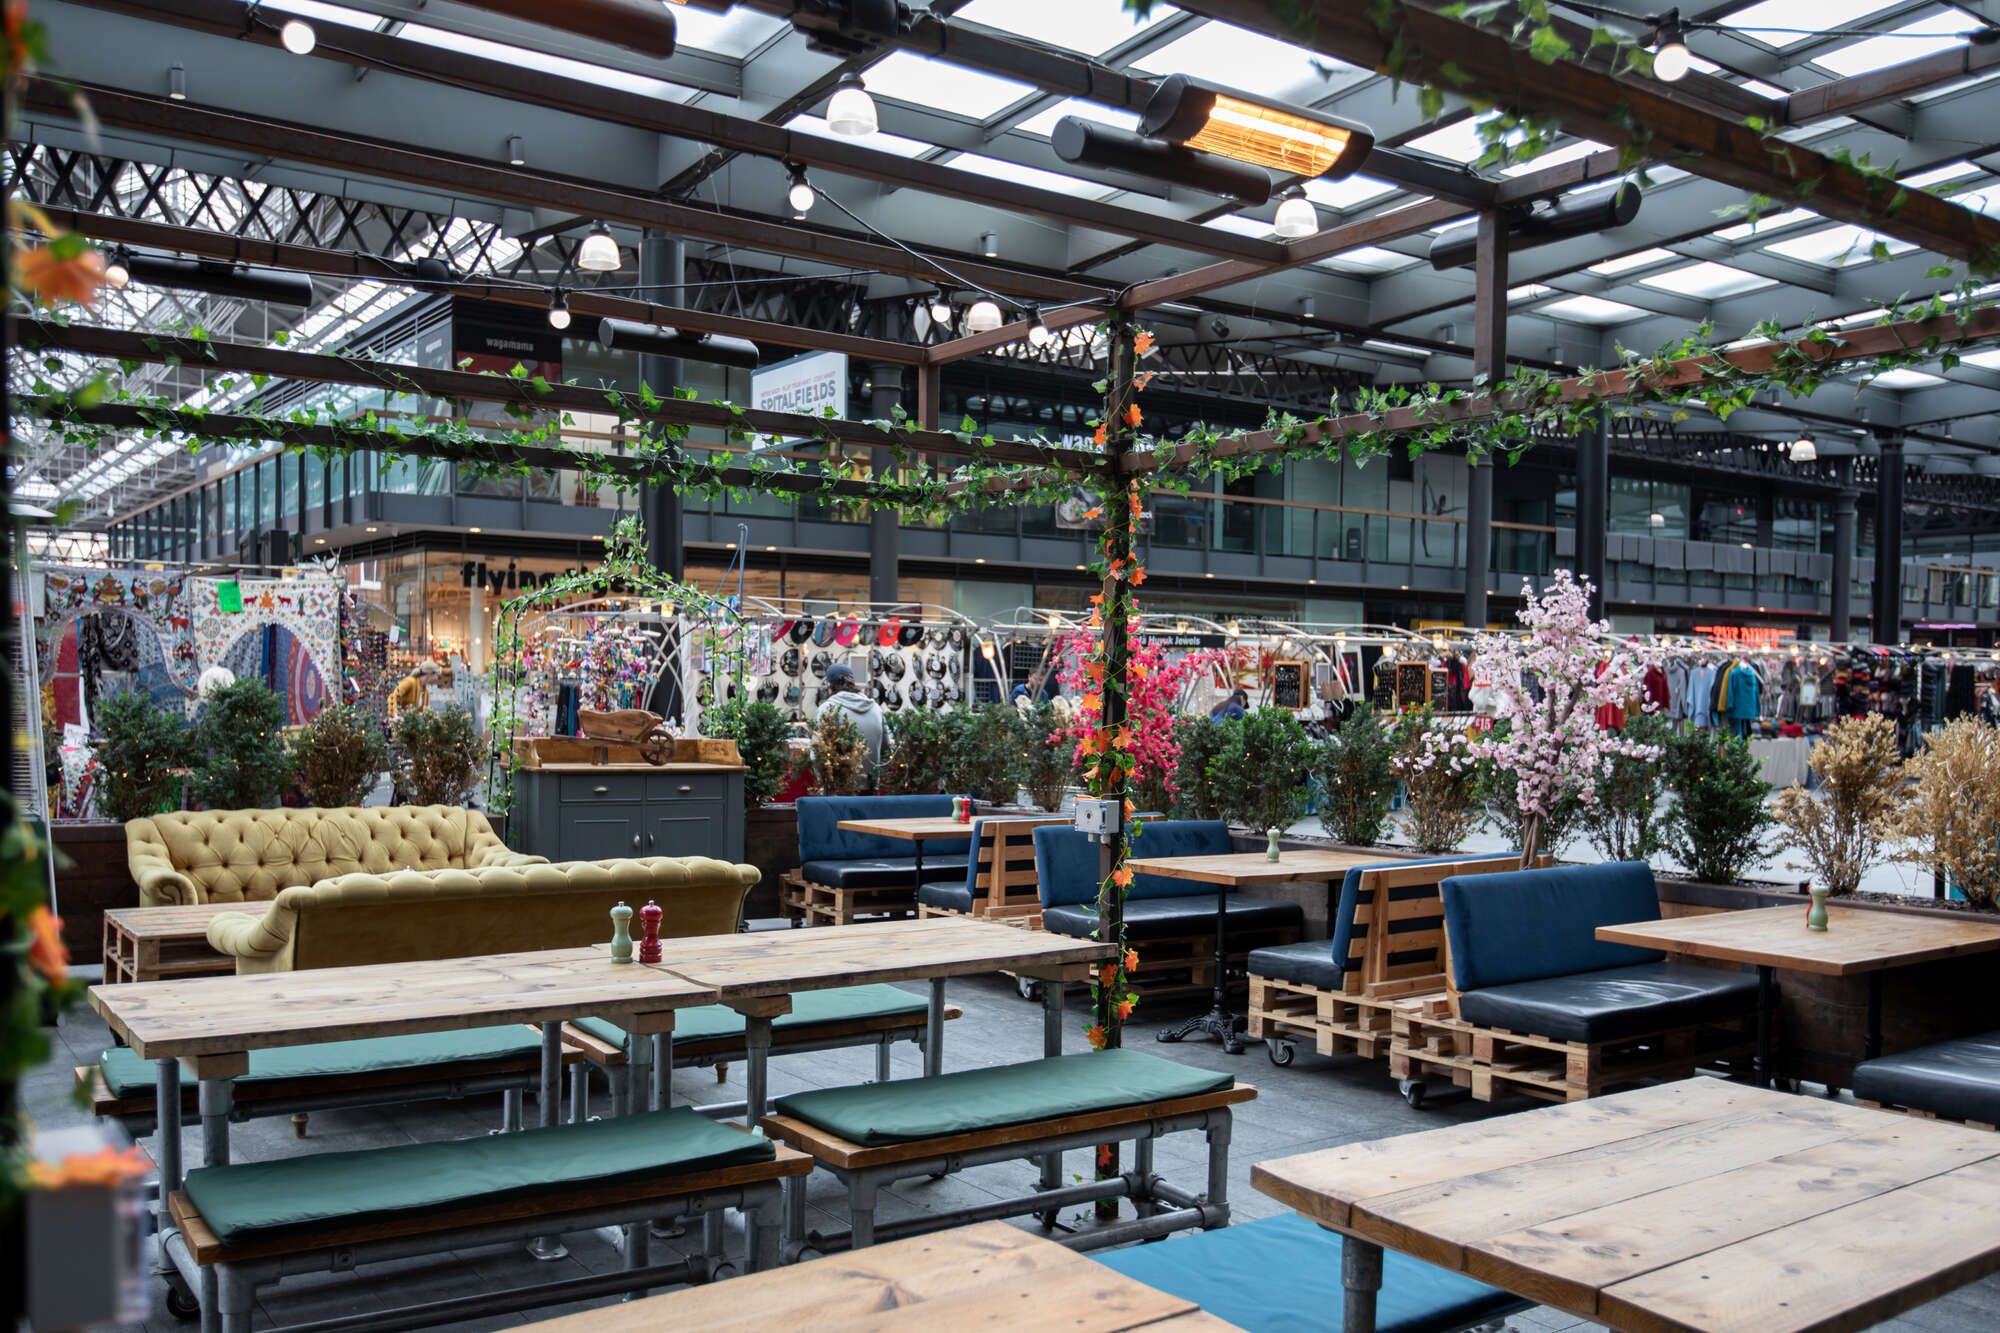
(1845, 96)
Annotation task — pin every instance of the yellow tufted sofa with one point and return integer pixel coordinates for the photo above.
(408, 916)
(230, 856)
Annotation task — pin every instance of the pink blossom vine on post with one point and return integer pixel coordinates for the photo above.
(1548, 687)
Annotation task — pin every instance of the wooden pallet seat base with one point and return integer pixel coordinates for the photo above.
(1335, 1022)
(1916, 1114)
(1494, 1062)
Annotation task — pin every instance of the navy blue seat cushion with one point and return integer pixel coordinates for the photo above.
(952, 896)
(1306, 963)
(1282, 1275)
(1194, 914)
(885, 872)
(1958, 1079)
(822, 839)
(1530, 924)
(1612, 1002)
(1066, 862)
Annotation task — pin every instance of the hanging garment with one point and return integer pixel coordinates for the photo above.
(1677, 687)
(1699, 706)
(1745, 695)
(1656, 688)
(1959, 700)
(568, 704)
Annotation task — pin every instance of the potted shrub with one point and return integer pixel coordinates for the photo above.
(1843, 826)
(1357, 779)
(438, 756)
(1050, 759)
(140, 749)
(1186, 790)
(1627, 823)
(340, 755)
(241, 762)
(1953, 816)
(920, 752)
(1441, 782)
(1261, 769)
(986, 754)
(1718, 823)
(763, 741)
(839, 755)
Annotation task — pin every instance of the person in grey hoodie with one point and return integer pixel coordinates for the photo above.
(862, 711)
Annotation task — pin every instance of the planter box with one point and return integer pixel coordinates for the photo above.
(771, 843)
(1822, 1020)
(91, 876)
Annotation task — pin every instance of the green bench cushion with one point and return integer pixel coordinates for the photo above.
(875, 1114)
(127, 1075)
(843, 1005)
(261, 1200)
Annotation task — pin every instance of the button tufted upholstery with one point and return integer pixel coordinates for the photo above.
(412, 915)
(227, 856)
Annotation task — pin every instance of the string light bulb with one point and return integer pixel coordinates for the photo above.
(940, 307)
(559, 317)
(801, 196)
(298, 37)
(1804, 450)
(850, 112)
(1038, 328)
(117, 269)
(1671, 58)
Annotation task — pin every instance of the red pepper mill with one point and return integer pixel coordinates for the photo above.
(649, 919)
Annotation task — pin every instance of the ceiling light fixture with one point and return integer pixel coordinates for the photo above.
(1211, 119)
(1671, 58)
(517, 152)
(940, 307)
(298, 37)
(599, 252)
(1039, 333)
(117, 269)
(850, 112)
(559, 317)
(1804, 450)
(989, 244)
(983, 317)
(801, 196)
(177, 83)
(1296, 215)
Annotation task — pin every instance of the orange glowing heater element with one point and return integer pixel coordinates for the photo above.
(1286, 140)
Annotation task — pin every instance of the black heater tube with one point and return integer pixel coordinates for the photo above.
(1602, 210)
(1090, 144)
(657, 340)
(278, 286)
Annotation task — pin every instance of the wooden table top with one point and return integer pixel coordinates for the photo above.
(174, 923)
(781, 962)
(227, 1015)
(1855, 940)
(1244, 869)
(928, 828)
(989, 1275)
(1693, 1205)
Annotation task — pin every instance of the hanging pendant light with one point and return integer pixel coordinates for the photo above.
(1804, 450)
(298, 37)
(940, 307)
(559, 317)
(1296, 215)
(984, 317)
(117, 269)
(599, 253)
(850, 112)
(801, 196)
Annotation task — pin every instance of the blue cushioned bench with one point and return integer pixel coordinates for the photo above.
(1387, 945)
(712, 1035)
(844, 876)
(1949, 1080)
(1539, 1005)
(999, 879)
(377, 1071)
(1294, 1282)
(250, 1224)
(874, 1134)
(1173, 929)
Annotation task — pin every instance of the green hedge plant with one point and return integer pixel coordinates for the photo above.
(241, 759)
(1717, 827)
(1357, 780)
(140, 749)
(763, 741)
(1260, 770)
(339, 755)
(438, 755)
(1628, 822)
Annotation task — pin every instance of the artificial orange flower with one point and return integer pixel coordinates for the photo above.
(1108, 975)
(1098, 436)
(1096, 1035)
(46, 953)
(1093, 703)
(1142, 345)
(1122, 877)
(1131, 960)
(1088, 745)
(105, 1169)
(1133, 416)
(1097, 512)
(1122, 738)
(1097, 599)
(54, 276)
(1125, 1008)
(1138, 575)
(1140, 382)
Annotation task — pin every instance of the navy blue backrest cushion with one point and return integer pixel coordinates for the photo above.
(1066, 861)
(822, 839)
(1346, 944)
(1528, 924)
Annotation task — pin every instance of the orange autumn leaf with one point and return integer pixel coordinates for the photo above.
(46, 952)
(1095, 512)
(1097, 1038)
(1131, 960)
(54, 280)
(1133, 416)
(1122, 877)
(1123, 738)
(1093, 703)
(1142, 344)
(1099, 436)
(1088, 745)
(105, 1169)
(1125, 1008)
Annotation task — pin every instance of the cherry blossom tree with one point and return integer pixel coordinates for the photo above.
(1160, 685)
(1549, 686)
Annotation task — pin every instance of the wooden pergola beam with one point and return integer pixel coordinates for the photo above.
(1607, 386)
(1596, 105)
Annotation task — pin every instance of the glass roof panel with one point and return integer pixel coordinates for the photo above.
(1626, 263)
(1926, 36)
(1089, 26)
(1837, 247)
(1783, 23)
(1238, 58)
(1590, 310)
(1705, 280)
(1555, 157)
(1768, 223)
(1902, 377)
(1044, 122)
(906, 76)
(882, 139)
(1528, 291)
(1950, 171)
(734, 34)
(1989, 359)
(1368, 259)
(1344, 194)
(999, 168)
(1456, 142)
(1242, 226)
(542, 62)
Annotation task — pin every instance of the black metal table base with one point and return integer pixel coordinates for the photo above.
(1220, 1024)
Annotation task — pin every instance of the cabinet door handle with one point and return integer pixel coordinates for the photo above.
(635, 842)
(685, 789)
(650, 840)
(600, 791)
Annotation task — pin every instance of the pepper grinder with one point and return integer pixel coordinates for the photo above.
(621, 933)
(1271, 850)
(649, 945)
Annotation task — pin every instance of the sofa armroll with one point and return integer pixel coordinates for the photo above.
(160, 883)
(255, 940)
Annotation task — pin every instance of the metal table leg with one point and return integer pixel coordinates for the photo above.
(1052, 1017)
(1361, 1275)
(663, 1070)
(1767, 1004)
(549, 1113)
(757, 1067)
(214, 1099)
(1218, 1022)
(934, 1029)
(167, 1140)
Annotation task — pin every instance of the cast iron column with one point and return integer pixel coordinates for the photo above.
(1842, 582)
(662, 270)
(1489, 365)
(1593, 508)
(1888, 598)
(885, 532)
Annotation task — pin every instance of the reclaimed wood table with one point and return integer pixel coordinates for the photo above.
(1856, 942)
(920, 829)
(756, 974)
(1239, 870)
(988, 1275)
(1701, 1204)
(151, 943)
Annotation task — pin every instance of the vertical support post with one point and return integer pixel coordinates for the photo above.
(1888, 599)
(662, 271)
(1593, 509)
(167, 1143)
(1361, 1276)
(1489, 365)
(934, 1031)
(1841, 610)
(885, 537)
(548, 1114)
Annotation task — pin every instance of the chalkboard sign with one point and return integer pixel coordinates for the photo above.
(1288, 684)
(1413, 684)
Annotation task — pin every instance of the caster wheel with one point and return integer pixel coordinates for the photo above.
(1029, 988)
(1414, 1091)
(181, 1304)
(939, 1175)
(1281, 1052)
(1047, 1220)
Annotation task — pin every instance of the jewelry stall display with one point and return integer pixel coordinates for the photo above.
(906, 655)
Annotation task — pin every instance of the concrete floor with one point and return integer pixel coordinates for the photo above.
(1314, 1103)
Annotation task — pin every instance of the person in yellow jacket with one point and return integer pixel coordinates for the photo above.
(413, 692)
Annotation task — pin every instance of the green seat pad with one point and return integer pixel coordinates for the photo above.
(127, 1075)
(259, 1200)
(844, 1004)
(875, 1114)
